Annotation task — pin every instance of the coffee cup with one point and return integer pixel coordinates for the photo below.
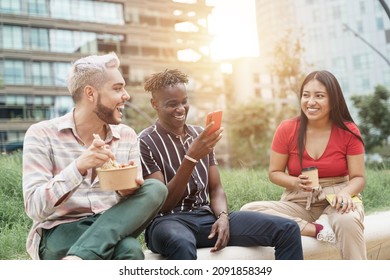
(312, 173)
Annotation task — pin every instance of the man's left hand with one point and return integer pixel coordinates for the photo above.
(127, 192)
(221, 229)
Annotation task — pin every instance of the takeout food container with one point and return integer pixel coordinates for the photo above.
(118, 178)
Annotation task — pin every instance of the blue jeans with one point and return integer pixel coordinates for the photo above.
(177, 236)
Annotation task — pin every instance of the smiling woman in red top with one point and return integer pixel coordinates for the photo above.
(326, 137)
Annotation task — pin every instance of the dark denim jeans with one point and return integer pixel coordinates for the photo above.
(177, 236)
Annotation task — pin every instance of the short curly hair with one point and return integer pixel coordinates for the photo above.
(166, 78)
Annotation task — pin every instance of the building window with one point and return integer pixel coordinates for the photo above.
(387, 34)
(257, 92)
(149, 51)
(66, 41)
(15, 136)
(360, 28)
(37, 7)
(15, 100)
(12, 37)
(107, 47)
(14, 73)
(17, 72)
(132, 50)
(61, 70)
(62, 105)
(61, 9)
(148, 20)
(85, 42)
(87, 10)
(379, 24)
(39, 39)
(41, 74)
(361, 61)
(61, 41)
(11, 141)
(13, 108)
(113, 13)
(34, 107)
(363, 82)
(10, 6)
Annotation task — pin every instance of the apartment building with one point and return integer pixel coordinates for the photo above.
(39, 39)
(350, 38)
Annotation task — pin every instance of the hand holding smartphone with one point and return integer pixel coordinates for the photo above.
(215, 116)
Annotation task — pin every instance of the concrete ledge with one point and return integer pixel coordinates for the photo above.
(377, 234)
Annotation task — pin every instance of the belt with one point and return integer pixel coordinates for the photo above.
(324, 183)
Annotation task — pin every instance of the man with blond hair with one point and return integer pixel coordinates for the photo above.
(73, 217)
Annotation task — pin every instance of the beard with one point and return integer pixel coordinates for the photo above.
(105, 113)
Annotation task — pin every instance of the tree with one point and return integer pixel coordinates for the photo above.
(287, 64)
(374, 115)
(250, 133)
(252, 124)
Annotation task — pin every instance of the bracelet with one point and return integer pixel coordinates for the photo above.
(190, 158)
(223, 212)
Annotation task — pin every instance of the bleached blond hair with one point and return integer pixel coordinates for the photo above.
(90, 70)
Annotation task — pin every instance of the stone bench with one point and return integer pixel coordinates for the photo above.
(377, 234)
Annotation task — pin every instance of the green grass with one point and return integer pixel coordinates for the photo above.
(245, 185)
(14, 223)
(241, 186)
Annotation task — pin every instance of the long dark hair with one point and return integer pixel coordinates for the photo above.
(339, 112)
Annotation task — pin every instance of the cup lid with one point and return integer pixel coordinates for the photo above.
(309, 168)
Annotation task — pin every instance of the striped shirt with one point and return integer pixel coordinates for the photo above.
(50, 151)
(164, 151)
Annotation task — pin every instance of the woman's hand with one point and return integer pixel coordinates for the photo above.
(303, 183)
(343, 202)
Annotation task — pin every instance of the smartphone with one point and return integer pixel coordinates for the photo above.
(215, 116)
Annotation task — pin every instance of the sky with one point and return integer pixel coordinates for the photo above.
(233, 24)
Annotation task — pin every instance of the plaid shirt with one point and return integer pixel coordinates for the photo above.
(164, 151)
(49, 174)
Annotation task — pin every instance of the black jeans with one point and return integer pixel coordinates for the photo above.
(177, 236)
